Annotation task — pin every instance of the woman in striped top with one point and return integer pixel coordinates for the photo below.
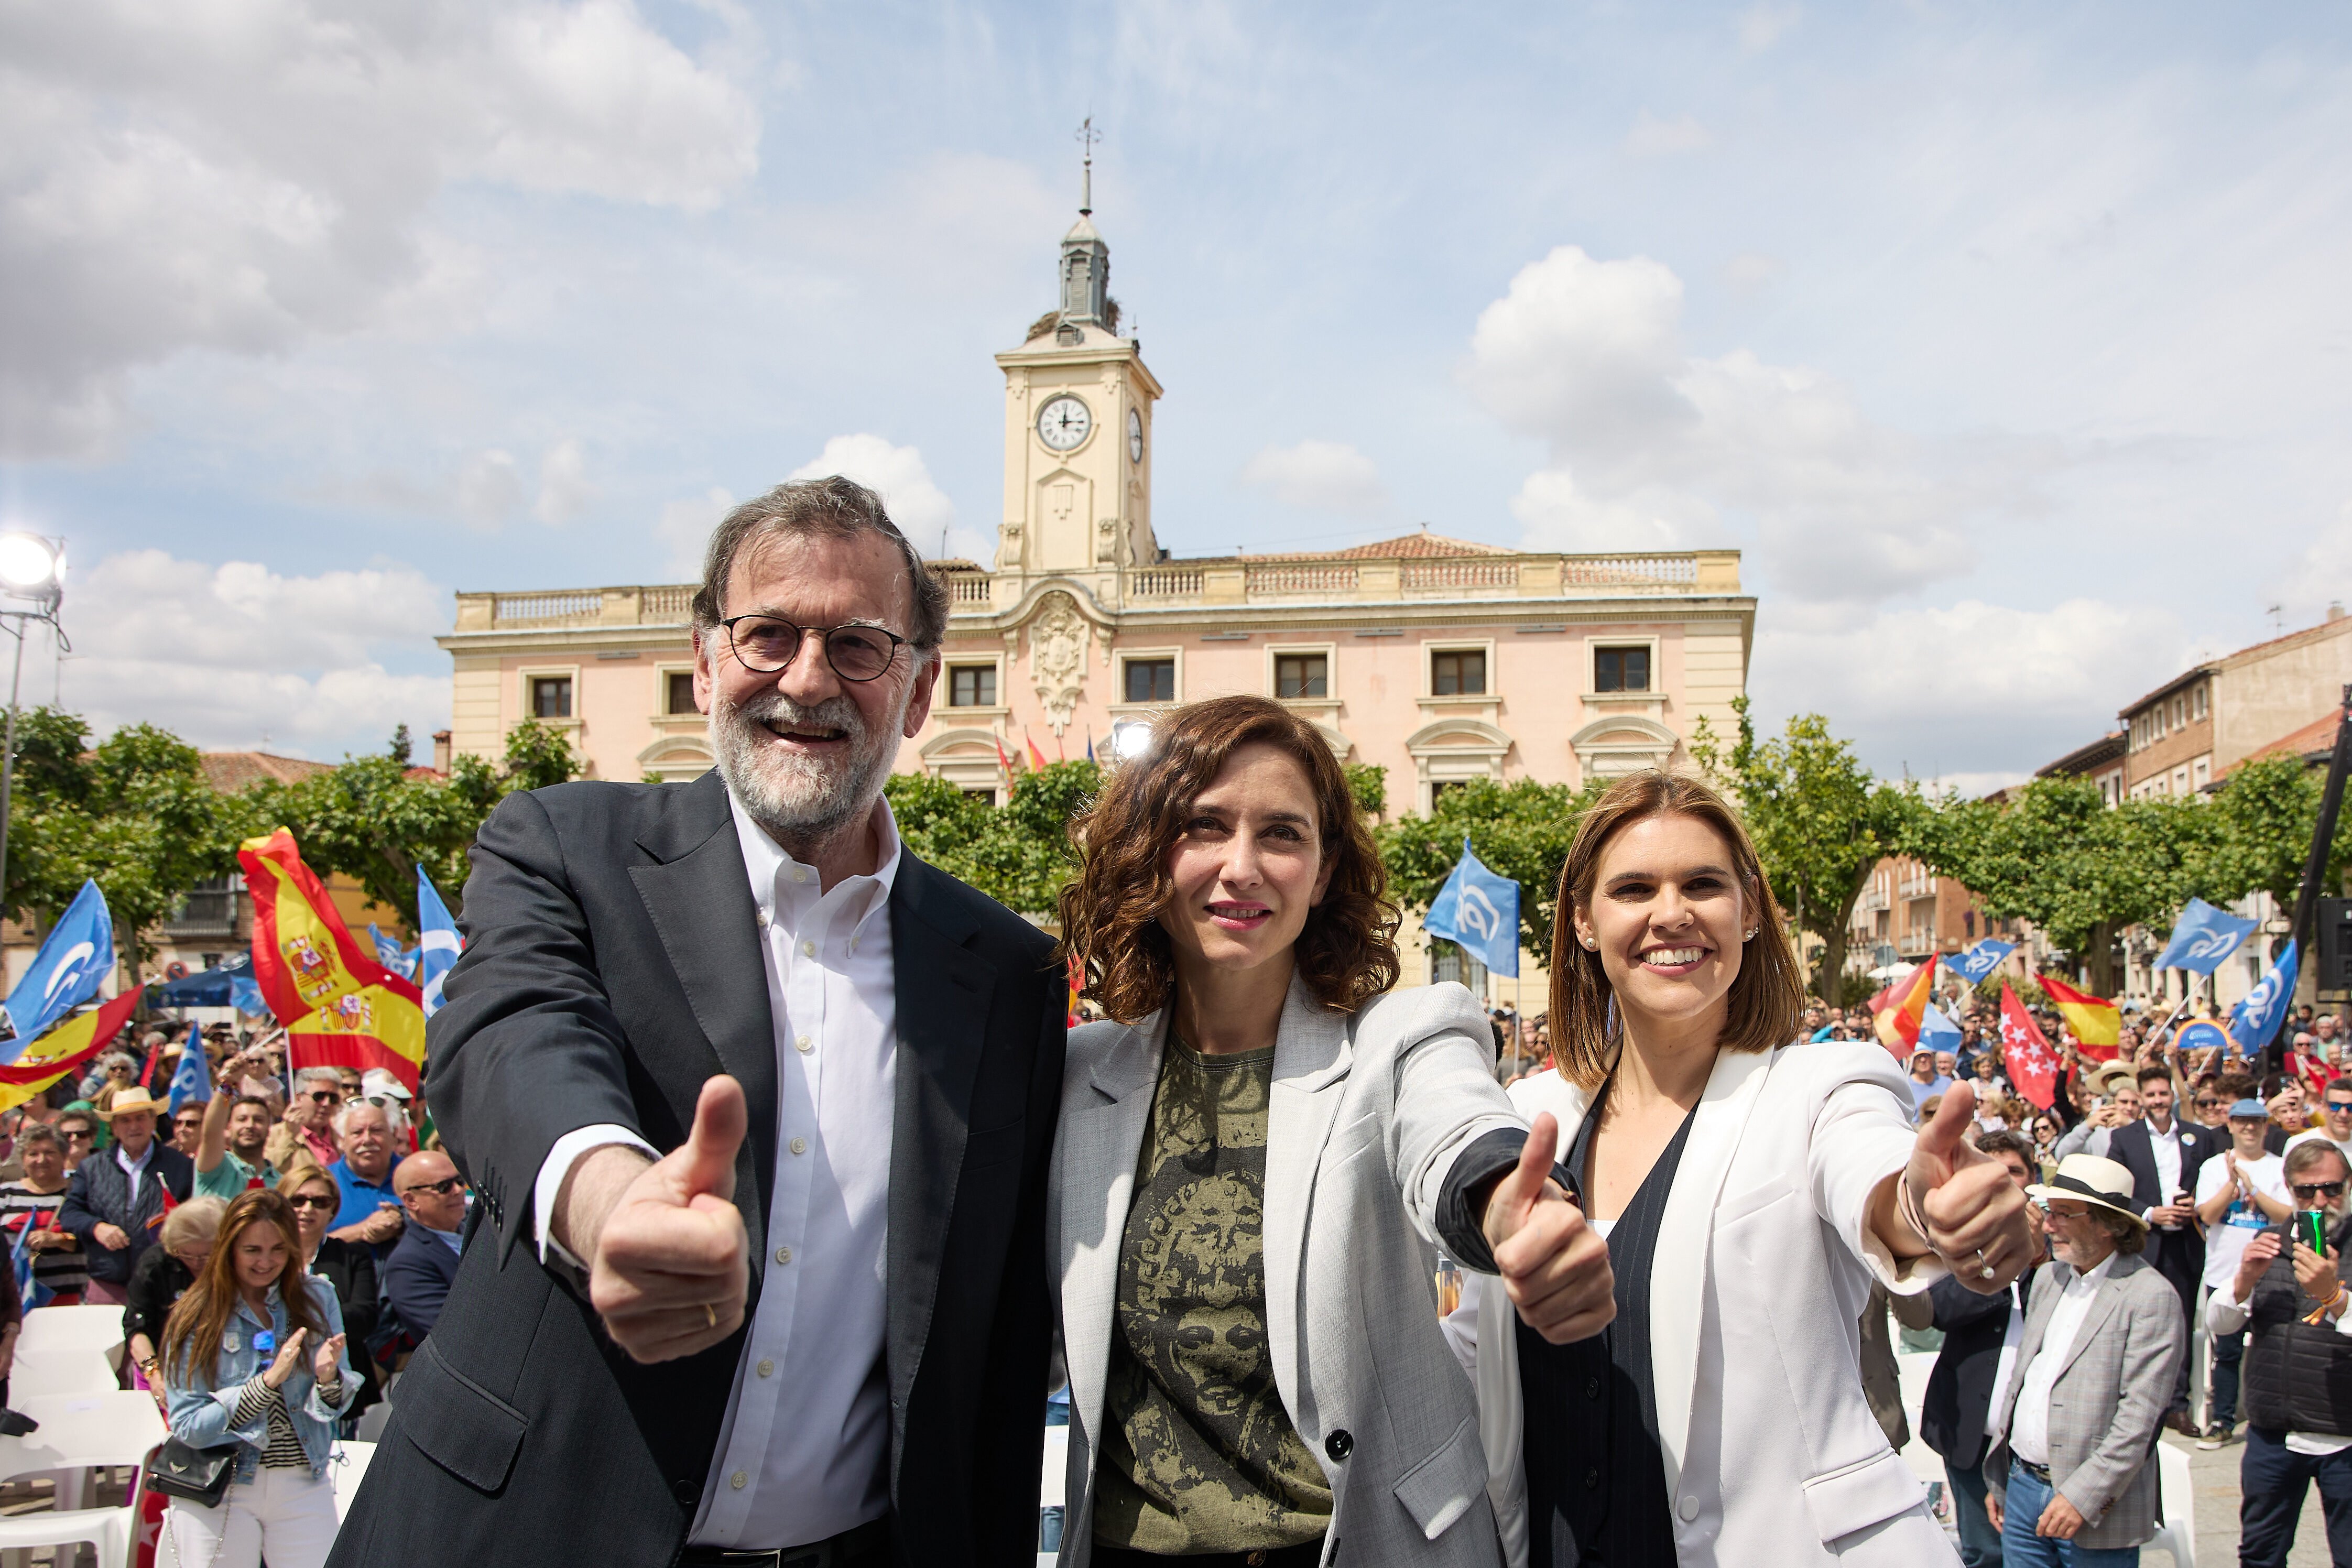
(60, 1272)
(253, 1355)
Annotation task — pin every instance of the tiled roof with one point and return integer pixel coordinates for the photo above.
(234, 771)
(2334, 626)
(2107, 748)
(1411, 546)
(2315, 739)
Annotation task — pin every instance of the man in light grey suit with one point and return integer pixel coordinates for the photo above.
(2072, 1474)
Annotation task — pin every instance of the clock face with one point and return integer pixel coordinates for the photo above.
(1134, 436)
(1064, 423)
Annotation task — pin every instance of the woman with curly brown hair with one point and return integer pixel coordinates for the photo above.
(1254, 1157)
(1751, 1190)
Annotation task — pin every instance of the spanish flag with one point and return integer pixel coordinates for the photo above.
(64, 1049)
(339, 1006)
(2097, 1024)
(1906, 1004)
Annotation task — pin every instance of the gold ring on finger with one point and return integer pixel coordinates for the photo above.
(710, 1313)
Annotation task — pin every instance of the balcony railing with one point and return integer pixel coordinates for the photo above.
(210, 913)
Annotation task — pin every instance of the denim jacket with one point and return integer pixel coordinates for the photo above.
(200, 1414)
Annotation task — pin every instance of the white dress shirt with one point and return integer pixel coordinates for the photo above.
(2029, 1425)
(2012, 1337)
(787, 1474)
(2165, 1147)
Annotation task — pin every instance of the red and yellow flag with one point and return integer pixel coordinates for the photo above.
(1906, 1004)
(64, 1049)
(2097, 1024)
(339, 1006)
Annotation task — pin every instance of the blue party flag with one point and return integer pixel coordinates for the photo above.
(77, 954)
(31, 1292)
(1981, 960)
(1480, 911)
(1937, 1030)
(2204, 937)
(192, 1080)
(2201, 1035)
(437, 941)
(2253, 1021)
(245, 995)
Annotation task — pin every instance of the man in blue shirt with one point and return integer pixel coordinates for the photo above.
(418, 1274)
(371, 1211)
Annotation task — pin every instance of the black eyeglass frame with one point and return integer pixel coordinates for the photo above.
(824, 634)
(2316, 1189)
(443, 1187)
(314, 1201)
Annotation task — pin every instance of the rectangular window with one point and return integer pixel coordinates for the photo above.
(972, 685)
(1620, 670)
(1151, 680)
(1301, 675)
(550, 697)
(680, 693)
(2197, 709)
(1461, 673)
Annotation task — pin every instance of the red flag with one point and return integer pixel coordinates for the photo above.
(2097, 1023)
(147, 1073)
(1898, 1021)
(2032, 1064)
(1036, 757)
(1001, 760)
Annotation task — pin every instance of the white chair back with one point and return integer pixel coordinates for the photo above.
(346, 1471)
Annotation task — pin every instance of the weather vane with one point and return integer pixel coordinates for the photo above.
(1088, 137)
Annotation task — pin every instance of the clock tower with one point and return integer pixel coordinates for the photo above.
(1077, 429)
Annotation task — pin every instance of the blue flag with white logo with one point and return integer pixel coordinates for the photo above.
(2201, 1035)
(1937, 1030)
(77, 954)
(1480, 911)
(245, 995)
(1981, 960)
(401, 961)
(2204, 937)
(2253, 1021)
(192, 1080)
(437, 941)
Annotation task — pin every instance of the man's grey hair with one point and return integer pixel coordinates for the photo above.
(354, 1108)
(2305, 1156)
(318, 1075)
(113, 1059)
(829, 507)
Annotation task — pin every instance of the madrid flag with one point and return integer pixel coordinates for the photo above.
(1906, 1004)
(2025, 1051)
(2097, 1024)
(340, 1008)
(64, 1049)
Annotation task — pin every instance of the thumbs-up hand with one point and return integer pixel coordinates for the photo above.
(1974, 1215)
(1554, 1266)
(668, 1269)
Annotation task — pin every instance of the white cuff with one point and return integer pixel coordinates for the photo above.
(558, 1165)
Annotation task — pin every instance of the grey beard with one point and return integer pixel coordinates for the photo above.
(802, 804)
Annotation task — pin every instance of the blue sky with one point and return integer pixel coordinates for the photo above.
(2011, 344)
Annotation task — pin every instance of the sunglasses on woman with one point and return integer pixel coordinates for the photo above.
(314, 1201)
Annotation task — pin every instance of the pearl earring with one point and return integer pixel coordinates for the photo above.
(1749, 937)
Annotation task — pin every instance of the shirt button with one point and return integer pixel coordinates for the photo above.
(808, 950)
(762, 917)
(738, 1480)
(800, 1145)
(800, 873)
(767, 1369)
(1687, 1508)
(803, 1044)
(783, 1254)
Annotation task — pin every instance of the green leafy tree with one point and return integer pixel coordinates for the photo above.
(2262, 819)
(1369, 782)
(1019, 853)
(1522, 830)
(1820, 820)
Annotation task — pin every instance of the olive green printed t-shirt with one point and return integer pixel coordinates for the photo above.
(1198, 1454)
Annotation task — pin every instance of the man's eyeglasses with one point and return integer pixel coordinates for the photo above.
(766, 646)
(2337, 1107)
(314, 1201)
(325, 1097)
(444, 1186)
(2317, 1189)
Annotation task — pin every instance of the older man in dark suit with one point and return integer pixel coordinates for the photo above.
(758, 1106)
(2163, 1154)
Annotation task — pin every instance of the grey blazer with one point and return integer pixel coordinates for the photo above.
(2107, 1402)
(1368, 1111)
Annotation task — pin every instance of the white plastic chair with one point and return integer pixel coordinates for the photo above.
(61, 1372)
(64, 1330)
(78, 1433)
(109, 1530)
(2176, 1505)
(346, 1471)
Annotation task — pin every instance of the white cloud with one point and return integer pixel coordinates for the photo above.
(1752, 271)
(1322, 476)
(180, 174)
(2320, 576)
(1654, 138)
(1760, 26)
(564, 488)
(225, 656)
(685, 529)
(1651, 445)
(489, 489)
(920, 508)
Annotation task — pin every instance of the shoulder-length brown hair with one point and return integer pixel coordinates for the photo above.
(192, 1334)
(1110, 914)
(1768, 996)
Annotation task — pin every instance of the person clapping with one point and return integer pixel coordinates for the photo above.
(253, 1355)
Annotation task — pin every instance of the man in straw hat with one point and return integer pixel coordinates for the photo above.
(115, 1200)
(2070, 1471)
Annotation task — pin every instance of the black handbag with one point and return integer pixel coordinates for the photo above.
(193, 1475)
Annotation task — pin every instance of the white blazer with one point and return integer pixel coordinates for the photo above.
(1369, 1112)
(1761, 1271)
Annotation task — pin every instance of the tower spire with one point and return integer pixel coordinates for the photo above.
(1088, 137)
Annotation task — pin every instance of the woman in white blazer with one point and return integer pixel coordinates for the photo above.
(1750, 1191)
(1255, 1161)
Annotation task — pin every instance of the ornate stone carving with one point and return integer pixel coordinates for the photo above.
(1058, 636)
(1008, 547)
(1107, 541)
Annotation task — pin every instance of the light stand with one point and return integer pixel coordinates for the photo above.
(32, 569)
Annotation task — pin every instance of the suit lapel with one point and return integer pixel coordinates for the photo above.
(1311, 1056)
(1099, 1146)
(698, 896)
(944, 991)
(1678, 1264)
(2103, 1306)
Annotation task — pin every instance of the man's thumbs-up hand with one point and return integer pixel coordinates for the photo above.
(668, 1267)
(1974, 1215)
(1555, 1268)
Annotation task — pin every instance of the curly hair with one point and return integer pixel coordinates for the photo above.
(1110, 913)
(1768, 997)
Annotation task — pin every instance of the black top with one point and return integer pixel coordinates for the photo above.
(1596, 1479)
(157, 1282)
